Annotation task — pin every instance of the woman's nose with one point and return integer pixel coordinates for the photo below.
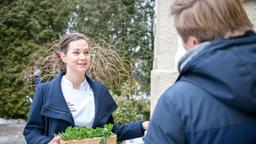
(82, 56)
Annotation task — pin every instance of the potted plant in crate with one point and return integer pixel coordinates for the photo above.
(83, 135)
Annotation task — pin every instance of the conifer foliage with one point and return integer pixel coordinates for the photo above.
(25, 27)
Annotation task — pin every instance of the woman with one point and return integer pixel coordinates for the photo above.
(73, 99)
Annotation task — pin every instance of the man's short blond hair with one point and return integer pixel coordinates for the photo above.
(210, 19)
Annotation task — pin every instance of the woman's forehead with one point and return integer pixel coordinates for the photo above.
(79, 44)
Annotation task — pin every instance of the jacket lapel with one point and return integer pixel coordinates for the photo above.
(104, 103)
(55, 104)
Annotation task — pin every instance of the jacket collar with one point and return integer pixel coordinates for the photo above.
(56, 106)
(191, 54)
(104, 103)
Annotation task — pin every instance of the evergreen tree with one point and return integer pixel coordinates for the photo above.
(25, 26)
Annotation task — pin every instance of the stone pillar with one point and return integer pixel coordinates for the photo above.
(250, 7)
(164, 71)
(165, 53)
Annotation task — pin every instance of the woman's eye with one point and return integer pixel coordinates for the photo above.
(75, 52)
(86, 53)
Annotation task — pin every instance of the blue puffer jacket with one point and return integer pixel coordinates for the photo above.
(49, 113)
(214, 99)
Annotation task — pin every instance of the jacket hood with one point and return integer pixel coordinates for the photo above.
(226, 69)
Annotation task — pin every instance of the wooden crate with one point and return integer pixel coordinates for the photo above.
(97, 140)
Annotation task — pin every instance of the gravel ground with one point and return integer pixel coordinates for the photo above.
(11, 131)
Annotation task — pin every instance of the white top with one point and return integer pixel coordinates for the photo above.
(80, 102)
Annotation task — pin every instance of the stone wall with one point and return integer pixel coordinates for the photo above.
(163, 73)
(250, 7)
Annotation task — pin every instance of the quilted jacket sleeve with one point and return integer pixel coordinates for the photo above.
(127, 131)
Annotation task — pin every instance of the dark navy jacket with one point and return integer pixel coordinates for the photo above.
(214, 99)
(49, 113)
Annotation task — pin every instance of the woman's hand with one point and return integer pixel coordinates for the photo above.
(55, 140)
(145, 125)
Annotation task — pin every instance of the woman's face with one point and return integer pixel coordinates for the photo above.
(77, 58)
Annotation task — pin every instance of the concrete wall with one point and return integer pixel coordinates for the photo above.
(250, 7)
(164, 71)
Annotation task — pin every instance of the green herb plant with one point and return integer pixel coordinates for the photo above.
(78, 133)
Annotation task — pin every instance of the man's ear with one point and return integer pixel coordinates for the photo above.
(191, 42)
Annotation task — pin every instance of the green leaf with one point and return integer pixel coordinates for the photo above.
(77, 133)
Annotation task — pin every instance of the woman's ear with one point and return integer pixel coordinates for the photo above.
(62, 56)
